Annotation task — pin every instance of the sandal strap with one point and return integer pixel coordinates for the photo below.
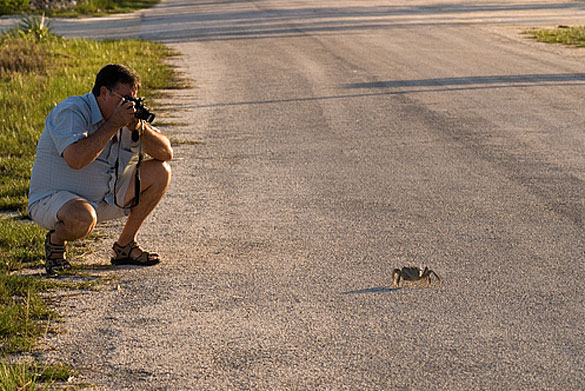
(145, 257)
(52, 249)
(122, 255)
(57, 263)
(124, 251)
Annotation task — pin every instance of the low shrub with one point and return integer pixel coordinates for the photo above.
(8, 7)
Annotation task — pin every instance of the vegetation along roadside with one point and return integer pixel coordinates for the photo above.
(566, 35)
(72, 8)
(37, 70)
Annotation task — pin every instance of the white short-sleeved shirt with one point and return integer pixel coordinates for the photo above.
(71, 120)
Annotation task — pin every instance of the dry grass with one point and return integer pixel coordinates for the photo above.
(18, 55)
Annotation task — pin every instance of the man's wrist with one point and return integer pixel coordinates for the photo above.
(111, 127)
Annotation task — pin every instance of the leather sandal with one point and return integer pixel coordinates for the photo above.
(123, 255)
(55, 256)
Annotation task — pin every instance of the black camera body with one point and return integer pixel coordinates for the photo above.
(142, 112)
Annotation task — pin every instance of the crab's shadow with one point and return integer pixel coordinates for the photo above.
(380, 289)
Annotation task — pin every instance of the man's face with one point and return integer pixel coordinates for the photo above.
(109, 99)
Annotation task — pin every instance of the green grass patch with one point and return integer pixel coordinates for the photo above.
(30, 377)
(21, 244)
(104, 7)
(62, 8)
(565, 35)
(23, 313)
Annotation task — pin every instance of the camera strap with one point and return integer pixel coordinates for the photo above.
(136, 200)
(137, 177)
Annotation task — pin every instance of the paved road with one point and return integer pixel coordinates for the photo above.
(339, 140)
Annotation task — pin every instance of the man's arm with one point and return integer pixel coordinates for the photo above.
(82, 152)
(156, 144)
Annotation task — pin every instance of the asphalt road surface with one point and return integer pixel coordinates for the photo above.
(329, 142)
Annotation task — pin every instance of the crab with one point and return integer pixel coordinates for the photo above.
(414, 274)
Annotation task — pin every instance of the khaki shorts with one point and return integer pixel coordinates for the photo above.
(44, 211)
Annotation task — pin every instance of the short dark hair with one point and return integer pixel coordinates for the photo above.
(112, 74)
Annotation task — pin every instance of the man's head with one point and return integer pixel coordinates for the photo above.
(113, 74)
(112, 83)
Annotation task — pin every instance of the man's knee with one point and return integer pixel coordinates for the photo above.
(166, 171)
(79, 217)
(160, 172)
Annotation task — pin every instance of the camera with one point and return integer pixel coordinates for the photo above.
(142, 112)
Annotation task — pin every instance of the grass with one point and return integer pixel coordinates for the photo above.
(24, 315)
(25, 376)
(88, 8)
(38, 70)
(103, 7)
(21, 244)
(566, 35)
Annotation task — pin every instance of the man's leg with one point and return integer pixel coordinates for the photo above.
(155, 177)
(77, 218)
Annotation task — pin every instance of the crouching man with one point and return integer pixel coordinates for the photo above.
(83, 172)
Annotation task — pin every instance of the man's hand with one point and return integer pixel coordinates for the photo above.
(123, 115)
